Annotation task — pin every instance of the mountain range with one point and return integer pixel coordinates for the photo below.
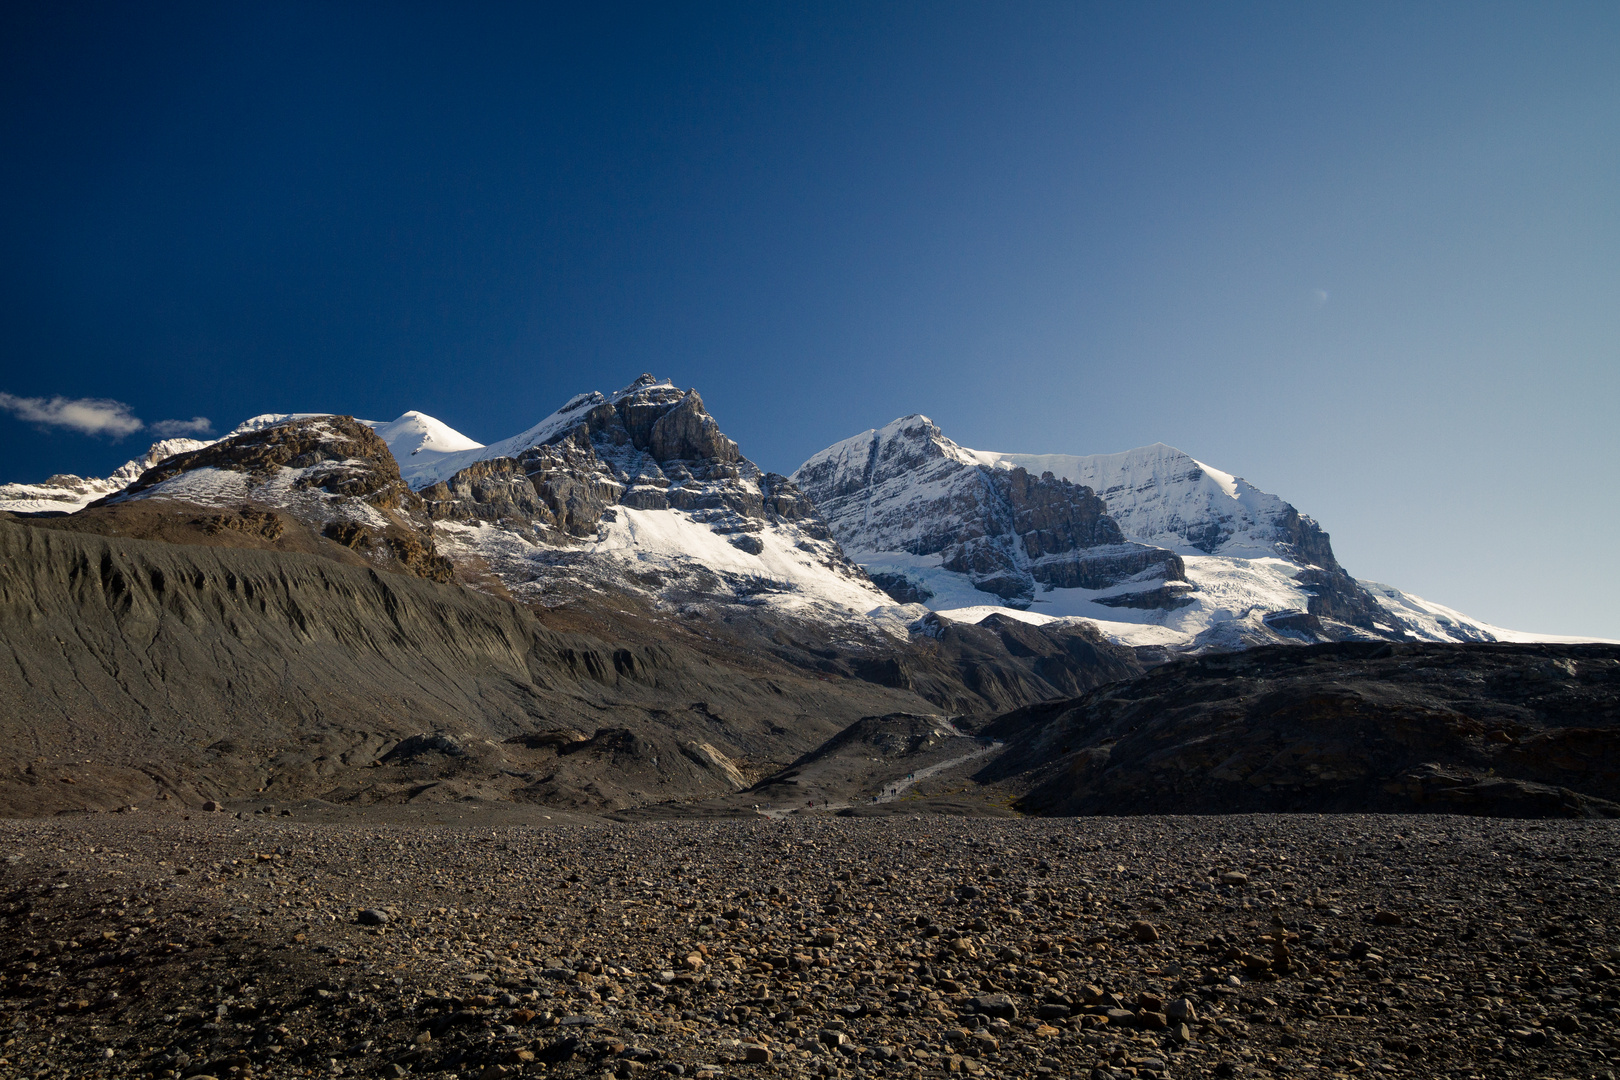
(639, 494)
(614, 608)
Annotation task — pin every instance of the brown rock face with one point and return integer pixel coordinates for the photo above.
(1052, 516)
(343, 460)
(497, 490)
(338, 454)
(688, 433)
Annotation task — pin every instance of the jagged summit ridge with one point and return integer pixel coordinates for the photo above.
(639, 491)
(422, 463)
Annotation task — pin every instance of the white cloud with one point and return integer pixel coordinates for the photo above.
(197, 425)
(91, 416)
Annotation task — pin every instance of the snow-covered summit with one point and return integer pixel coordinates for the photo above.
(1202, 558)
(445, 451)
(415, 433)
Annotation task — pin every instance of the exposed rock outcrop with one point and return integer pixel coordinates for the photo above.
(331, 473)
(648, 447)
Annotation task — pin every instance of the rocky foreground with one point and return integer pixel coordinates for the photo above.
(160, 944)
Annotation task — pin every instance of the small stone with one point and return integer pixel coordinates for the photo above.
(372, 917)
(997, 1005)
(212, 806)
(1144, 932)
(1388, 918)
(1281, 959)
(757, 1055)
(1568, 1024)
(1232, 877)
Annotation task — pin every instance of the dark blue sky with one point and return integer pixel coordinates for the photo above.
(1365, 255)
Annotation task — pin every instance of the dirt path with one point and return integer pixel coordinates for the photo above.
(895, 789)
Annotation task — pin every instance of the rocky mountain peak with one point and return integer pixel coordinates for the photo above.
(599, 476)
(332, 473)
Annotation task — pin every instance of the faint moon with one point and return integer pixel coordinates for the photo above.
(1321, 297)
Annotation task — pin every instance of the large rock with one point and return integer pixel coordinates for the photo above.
(688, 433)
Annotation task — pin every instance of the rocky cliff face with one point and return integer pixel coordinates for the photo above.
(639, 493)
(1163, 496)
(648, 447)
(330, 473)
(907, 489)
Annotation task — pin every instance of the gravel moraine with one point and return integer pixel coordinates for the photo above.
(153, 944)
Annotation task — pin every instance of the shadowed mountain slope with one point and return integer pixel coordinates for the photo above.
(132, 667)
(1509, 729)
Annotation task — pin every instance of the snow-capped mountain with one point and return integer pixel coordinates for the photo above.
(639, 494)
(1193, 557)
(65, 493)
(637, 491)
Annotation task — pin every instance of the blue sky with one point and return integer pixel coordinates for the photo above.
(1366, 256)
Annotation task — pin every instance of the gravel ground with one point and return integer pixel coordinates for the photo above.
(154, 944)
